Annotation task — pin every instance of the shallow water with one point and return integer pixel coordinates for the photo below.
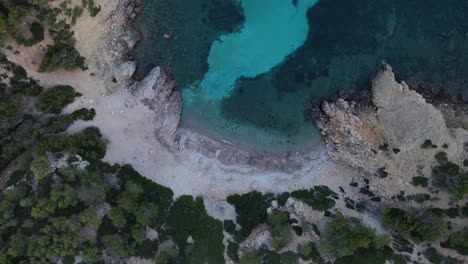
(248, 69)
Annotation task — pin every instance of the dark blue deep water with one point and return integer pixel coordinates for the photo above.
(248, 69)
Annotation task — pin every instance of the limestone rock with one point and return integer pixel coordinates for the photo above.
(157, 91)
(407, 120)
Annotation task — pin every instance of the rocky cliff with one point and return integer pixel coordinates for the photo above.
(157, 91)
(388, 134)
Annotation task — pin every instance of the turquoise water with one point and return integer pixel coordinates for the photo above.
(249, 69)
(263, 42)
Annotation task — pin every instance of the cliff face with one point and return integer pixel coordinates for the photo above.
(406, 119)
(390, 132)
(157, 91)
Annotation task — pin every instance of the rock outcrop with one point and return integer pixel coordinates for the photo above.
(407, 120)
(157, 91)
(389, 133)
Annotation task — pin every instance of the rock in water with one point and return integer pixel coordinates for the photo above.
(157, 91)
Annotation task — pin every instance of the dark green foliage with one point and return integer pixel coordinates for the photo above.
(251, 210)
(309, 252)
(282, 198)
(420, 181)
(280, 230)
(54, 99)
(420, 227)
(62, 56)
(37, 31)
(340, 238)
(25, 87)
(428, 144)
(465, 162)
(458, 241)
(396, 150)
(251, 258)
(450, 176)
(372, 256)
(436, 258)
(232, 249)
(384, 147)
(92, 8)
(187, 217)
(229, 226)
(87, 143)
(320, 198)
(382, 173)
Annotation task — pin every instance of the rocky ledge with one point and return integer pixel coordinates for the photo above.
(157, 92)
(399, 120)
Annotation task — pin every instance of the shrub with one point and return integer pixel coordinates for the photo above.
(40, 167)
(320, 198)
(251, 210)
(420, 181)
(54, 99)
(340, 238)
(62, 56)
(251, 257)
(232, 249)
(420, 227)
(458, 241)
(428, 144)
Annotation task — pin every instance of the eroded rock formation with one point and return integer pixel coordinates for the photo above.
(157, 91)
(389, 133)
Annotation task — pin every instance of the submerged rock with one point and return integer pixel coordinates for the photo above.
(157, 91)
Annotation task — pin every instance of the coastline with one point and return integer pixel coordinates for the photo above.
(195, 163)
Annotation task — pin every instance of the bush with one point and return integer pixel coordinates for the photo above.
(340, 238)
(420, 181)
(40, 167)
(62, 56)
(320, 198)
(251, 258)
(458, 241)
(232, 249)
(420, 227)
(251, 210)
(281, 231)
(54, 99)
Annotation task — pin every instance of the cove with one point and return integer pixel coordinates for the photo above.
(272, 31)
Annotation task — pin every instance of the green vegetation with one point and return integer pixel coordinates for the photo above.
(18, 17)
(428, 144)
(309, 251)
(250, 209)
(341, 238)
(419, 227)
(55, 214)
(458, 241)
(435, 257)
(21, 130)
(281, 231)
(54, 99)
(62, 56)
(450, 176)
(382, 172)
(420, 181)
(251, 258)
(320, 198)
(92, 8)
